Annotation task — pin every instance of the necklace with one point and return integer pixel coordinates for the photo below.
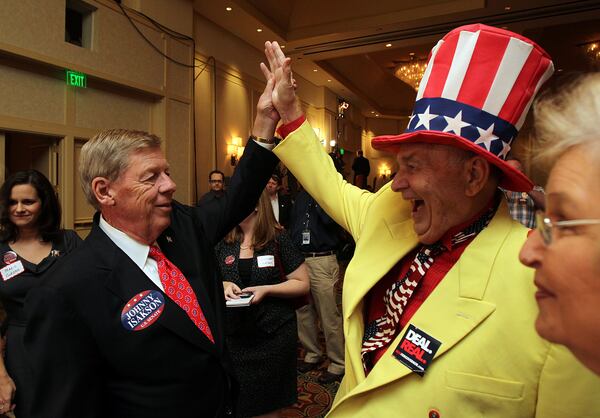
(246, 247)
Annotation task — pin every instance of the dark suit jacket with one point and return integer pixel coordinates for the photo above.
(86, 364)
(285, 207)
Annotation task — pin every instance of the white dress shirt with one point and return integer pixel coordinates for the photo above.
(136, 251)
(275, 206)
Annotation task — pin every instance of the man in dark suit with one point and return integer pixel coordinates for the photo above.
(216, 182)
(361, 168)
(121, 331)
(280, 202)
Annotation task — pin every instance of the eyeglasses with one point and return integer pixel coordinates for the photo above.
(546, 226)
(215, 181)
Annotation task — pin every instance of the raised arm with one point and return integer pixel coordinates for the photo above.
(250, 177)
(305, 157)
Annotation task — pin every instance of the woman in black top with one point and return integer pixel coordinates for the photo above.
(259, 257)
(31, 242)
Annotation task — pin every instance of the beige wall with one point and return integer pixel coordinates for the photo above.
(130, 85)
(227, 87)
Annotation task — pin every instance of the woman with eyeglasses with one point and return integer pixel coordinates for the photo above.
(565, 247)
(31, 244)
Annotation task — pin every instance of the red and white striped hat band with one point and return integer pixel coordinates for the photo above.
(479, 84)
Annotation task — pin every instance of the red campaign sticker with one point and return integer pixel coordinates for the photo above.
(9, 257)
(229, 260)
(142, 310)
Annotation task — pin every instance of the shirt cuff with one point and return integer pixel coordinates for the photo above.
(288, 128)
(265, 145)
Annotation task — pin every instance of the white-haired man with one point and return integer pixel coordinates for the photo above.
(132, 324)
(438, 314)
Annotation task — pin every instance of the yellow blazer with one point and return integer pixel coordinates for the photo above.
(491, 362)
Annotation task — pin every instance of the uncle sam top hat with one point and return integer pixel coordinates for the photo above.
(478, 86)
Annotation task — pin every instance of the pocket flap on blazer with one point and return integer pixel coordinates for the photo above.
(484, 385)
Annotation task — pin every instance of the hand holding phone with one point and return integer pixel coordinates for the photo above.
(244, 300)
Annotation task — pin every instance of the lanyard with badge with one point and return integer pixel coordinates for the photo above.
(306, 231)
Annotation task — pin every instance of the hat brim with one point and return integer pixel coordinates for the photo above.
(512, 179)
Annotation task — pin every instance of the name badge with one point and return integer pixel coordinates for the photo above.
(305, 237)
(416, 350)
(142, 310)
(265, 261)
(12, 270)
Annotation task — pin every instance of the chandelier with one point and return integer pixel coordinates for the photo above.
(411, 72)
(592, 49)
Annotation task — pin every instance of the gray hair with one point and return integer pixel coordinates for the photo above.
(568, 119)
(107, 155)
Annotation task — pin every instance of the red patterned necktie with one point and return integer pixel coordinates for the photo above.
(179, 290)
(382, 331)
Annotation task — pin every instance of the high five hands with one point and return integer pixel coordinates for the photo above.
(281, 83)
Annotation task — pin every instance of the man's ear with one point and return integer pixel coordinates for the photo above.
(477, 172)
(101, 189)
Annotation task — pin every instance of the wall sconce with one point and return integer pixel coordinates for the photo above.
(235, 150)
(332, 143)
(384, 171)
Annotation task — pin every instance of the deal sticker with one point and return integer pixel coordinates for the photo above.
(416, 349)
(142, 310)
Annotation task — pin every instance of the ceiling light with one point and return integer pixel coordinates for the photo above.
(315, 70)
(411, 72)
(507, 8)
(376, 115)
(592, 49)
(228, 9)
(388, 45)
(372, 111)
(282, 46)
(329, 80)
(259, 30)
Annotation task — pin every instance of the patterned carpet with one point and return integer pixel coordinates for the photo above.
(314, 398)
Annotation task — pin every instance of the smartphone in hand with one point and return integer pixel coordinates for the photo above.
(244, 300)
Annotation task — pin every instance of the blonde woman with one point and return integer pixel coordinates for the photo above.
(565, 248)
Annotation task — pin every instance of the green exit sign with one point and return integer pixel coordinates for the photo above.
(76, 79)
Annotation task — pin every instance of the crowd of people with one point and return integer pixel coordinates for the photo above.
(169, 310)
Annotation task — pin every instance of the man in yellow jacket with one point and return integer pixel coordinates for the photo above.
(438, 312)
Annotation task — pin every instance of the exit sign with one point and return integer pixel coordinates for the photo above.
(76, 79)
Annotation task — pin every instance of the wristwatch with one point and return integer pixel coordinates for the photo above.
(269, 141)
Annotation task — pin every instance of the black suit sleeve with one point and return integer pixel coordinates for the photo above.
(67, 382)
(247, 183)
